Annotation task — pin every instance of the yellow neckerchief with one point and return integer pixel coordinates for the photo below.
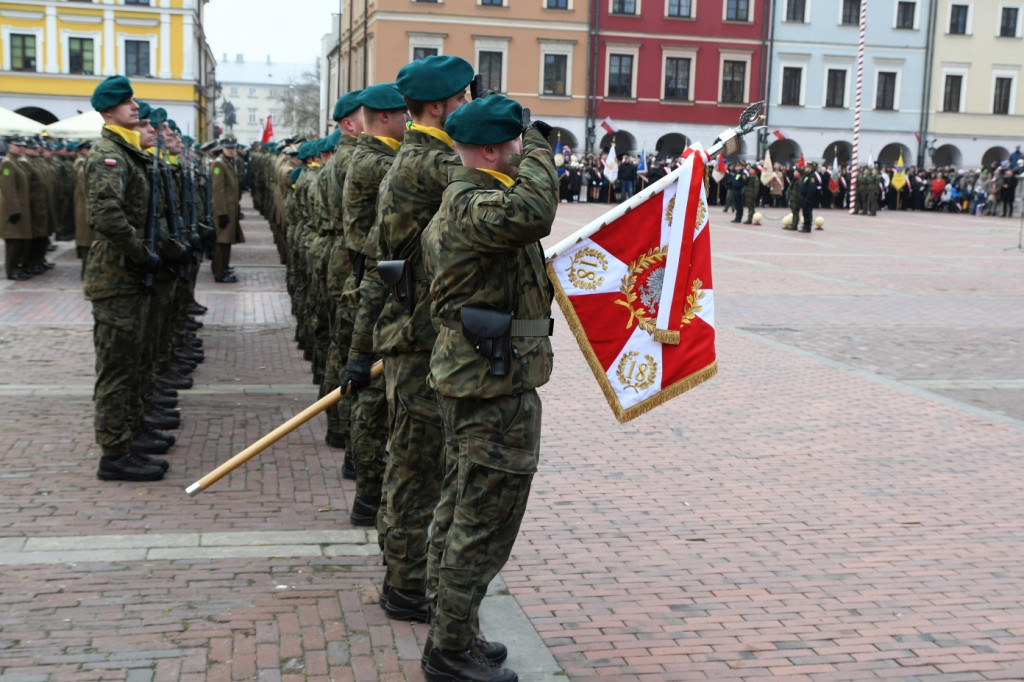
(389, 141)
(501, 177)
(172, 159)
(433, 132)
(130, 136)
(314, 164)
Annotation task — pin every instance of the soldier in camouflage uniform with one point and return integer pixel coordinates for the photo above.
(339, 267)
(489, 290)
(117, 201)
(793, 197)
(750, 192)
(409, 196)
(83, 231)
(384, 119)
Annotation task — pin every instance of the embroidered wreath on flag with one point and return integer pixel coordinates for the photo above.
(645, 263)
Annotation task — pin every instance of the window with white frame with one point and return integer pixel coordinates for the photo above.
(952, 92)
(1004, 86)
(850, 13)
(425, 44)
(835, 88)
(81, 56)
(737, 10)
(678, 67)
(796, 11)
(625, 7)
(556, 67)
(620, 75)
(734, 85)
(136, 58)
(791, 93)
(252, 116)
(557, 4)
(906, 14)
(680, 9)
(492, 62)
(234, 91)
(1009, 21)
(959, 19)
(252, 92)
(886, 82)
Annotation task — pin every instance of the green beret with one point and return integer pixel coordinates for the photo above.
(332, 140)
(489, 120)
(187, 140)
(144, 110)
(157, 116)
(294, 175)
(173, 126)
(346, 104)
(305, 151)
(111, 92)
(382, 97)
(434, 78)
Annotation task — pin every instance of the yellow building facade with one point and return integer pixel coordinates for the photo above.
(976, 102)
(54, 52)
(534, 52)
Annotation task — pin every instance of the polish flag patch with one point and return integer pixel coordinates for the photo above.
(110, 162)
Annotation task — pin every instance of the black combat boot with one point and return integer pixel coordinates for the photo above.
(407, 605)
(363, 512)
(468, 665)
(495, 652)
(129, 467)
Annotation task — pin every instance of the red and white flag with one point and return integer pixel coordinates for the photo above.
(778, 133)
(637, 293)
(833, 182)
(609, 126)
(268, 130)
(800, 163)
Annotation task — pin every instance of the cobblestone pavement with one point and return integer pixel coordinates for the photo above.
(839, 503)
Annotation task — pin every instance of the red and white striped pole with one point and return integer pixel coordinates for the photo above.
(855, 166)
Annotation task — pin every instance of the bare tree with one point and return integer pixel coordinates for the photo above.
(301, 104)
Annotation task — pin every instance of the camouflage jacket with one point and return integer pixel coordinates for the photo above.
(83, 230)
(116, 199)
(339, 265)
(410, 195)
(370, 162)
(482, 248)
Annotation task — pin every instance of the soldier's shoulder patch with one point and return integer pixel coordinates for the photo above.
(216, 170)
(110, 162)
(7, 171)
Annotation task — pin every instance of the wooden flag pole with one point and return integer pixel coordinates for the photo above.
(749, 120)
(274, 436)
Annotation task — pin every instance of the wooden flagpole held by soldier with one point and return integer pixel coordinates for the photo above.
(274, 436)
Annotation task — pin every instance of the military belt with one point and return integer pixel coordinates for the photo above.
(520, 328)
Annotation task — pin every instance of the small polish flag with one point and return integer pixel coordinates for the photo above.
(800, 163)
(609, 126)
(110, 162)
(917, 136)
(778, 134)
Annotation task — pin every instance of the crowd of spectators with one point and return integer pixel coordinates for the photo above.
(990, 191)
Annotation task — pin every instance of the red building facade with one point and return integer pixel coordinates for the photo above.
(671, 72)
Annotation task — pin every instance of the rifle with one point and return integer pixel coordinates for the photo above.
(173, 218)
(151, 213)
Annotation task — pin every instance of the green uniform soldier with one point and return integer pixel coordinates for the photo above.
(348, 116)
(750, 192)
(83, 231)
(384, 121)
(491, 306)
(117, 200)
(15, 210)
(226, 211)
(409, 196)
(793, 198)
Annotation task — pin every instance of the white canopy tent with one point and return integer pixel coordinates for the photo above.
(85, 125)
(12, 123)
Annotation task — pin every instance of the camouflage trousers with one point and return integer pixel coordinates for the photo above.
(119, 336)
(491, 454)
(368, 435)
(412, 479)
(339, 414)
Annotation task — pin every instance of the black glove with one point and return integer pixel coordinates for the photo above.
(152, 263)
(541, 127)
(15, 217)
(356, 377)
(222, 221)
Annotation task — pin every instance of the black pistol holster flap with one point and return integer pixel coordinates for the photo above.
(397, 275)
(490, 332)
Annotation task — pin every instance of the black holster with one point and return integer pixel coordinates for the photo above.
(358, 265)
(490, 332)
(397, 274)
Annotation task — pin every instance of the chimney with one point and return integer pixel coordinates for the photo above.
(268, 60)
(238, 58)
